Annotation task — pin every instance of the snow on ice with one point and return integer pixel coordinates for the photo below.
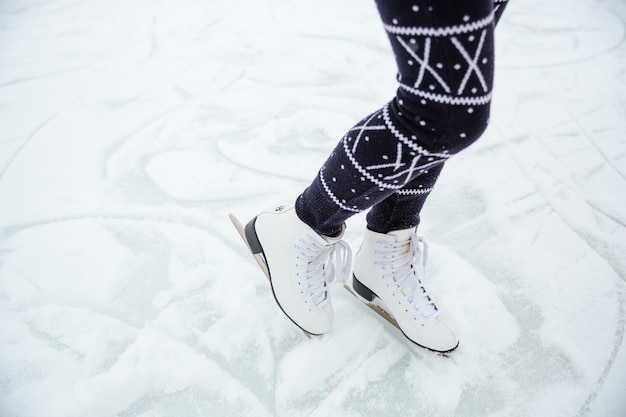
(129, 130)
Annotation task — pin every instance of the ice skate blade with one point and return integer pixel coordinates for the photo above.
(389, 318)
(258, 257)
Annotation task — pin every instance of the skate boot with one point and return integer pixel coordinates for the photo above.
(386, 278)
(300, 265)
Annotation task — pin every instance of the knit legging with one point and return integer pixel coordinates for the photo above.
(390, 160)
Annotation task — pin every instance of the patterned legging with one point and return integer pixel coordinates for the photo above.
(390, 160)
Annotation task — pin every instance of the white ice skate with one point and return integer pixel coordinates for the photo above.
(299, 264)
(386, 278)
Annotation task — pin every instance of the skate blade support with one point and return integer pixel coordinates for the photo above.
(376, 308)
(258, 257)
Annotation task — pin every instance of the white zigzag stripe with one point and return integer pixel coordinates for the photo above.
(414, 191)
(406, 140)
(332, 196)
(446, 99)
(445, 31)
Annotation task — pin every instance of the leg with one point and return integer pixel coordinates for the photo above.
(402, 209)
(444, 53)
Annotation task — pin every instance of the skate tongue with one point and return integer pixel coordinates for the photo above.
(405, 234)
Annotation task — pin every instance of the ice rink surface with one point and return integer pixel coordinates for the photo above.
(130, 129)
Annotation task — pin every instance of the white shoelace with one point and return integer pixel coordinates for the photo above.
(400, 261)
(320, 265)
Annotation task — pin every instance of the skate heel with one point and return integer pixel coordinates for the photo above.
(252, 238)
(364, 294)
(248, 235)
(362, 290)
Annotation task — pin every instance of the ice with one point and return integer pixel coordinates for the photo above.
(129, 131)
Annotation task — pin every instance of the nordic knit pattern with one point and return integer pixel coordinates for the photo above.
(391, 159)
